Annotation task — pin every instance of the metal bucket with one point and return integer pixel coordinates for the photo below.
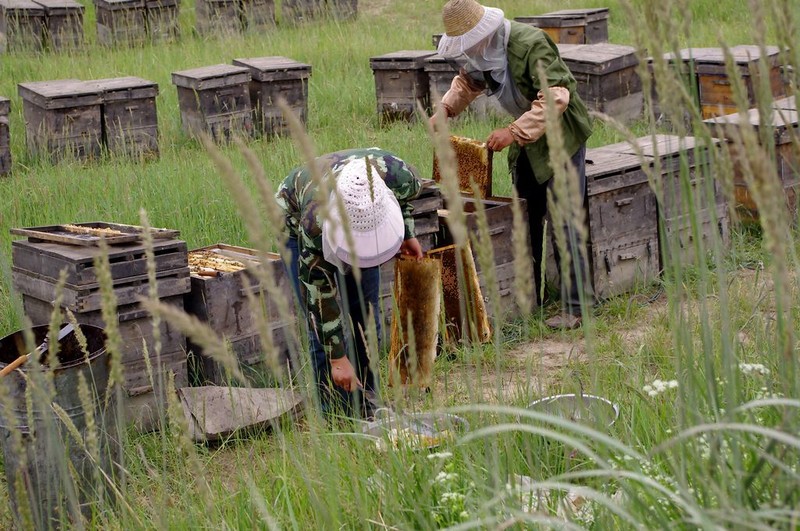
(52, 478)
(592, 410)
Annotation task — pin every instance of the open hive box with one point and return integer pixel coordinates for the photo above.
(227, 296)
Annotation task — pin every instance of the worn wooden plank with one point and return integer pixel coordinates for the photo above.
(211, 77)
(401, 60)
(600, 58)
(274, 68)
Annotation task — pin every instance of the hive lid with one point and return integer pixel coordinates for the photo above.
(663, 145)
(51, 6)
(566, 17)
(274, 68)
(211, 76)
(120, 4)
(789, 104)
(21, 5)
(742, 55)
(58, 94)
(779, 119)
(402, 59)
(600, 58)
(126, 87)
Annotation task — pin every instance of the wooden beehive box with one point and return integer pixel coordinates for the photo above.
(474, 164)
(683, 66)
(37, 266)
(623, 223)
(781, 130)
(573, 26)
(607, 78)
(691, 203)
(215, 100)
(21, 26)
(258, 15)
(121, 22)
(221, 279)
(130, 122)
(716, 88)
(63, 118)
(162, 20)
(273, 78)
(299, 11)
(63, 24)
(218, 17)
(5, 137)
(401, 84)
(440, 75)
(342, 9)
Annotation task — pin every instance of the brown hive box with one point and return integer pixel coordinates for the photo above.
(273, 78)
(474, 163)
(121, 22)
(162, 20)
(607, 78)
(401, 84)
(683, 66)
(63, 23)
(5, 137)
(218, 17)
(62, 118)
(781, 130)
(21, 26)
(691, 203)
(221, 280)
(716, 88)
(572, 26)
(130, 121)
(257, 15)
(215, 100)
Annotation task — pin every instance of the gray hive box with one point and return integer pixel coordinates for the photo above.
(121, 22)
(130, 121)
(401, 83)
(63, 23)
(21, 26)
(572, 26)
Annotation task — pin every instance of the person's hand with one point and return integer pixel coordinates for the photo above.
(412, 248)
(500, 139)
(343, 374)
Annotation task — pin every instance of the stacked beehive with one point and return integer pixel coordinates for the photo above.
(63, 26)
(134, 22)
(298, 11)
(5, 137)
(21, 26)
(401, 84)
(76, 118)
(222, 286)
(572, 26)
(38, 263)
(229, 17)
(777, 134)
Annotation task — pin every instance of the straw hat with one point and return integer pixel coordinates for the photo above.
(374, 218)
(466, 23)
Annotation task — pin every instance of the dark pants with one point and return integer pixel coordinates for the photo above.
(536, 196)
(354, 299)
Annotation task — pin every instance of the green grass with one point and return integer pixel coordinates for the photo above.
(719, 465)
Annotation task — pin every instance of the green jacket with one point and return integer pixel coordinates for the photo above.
(527, 47)
(298, 198)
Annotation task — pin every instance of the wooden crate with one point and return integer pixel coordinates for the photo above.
(691, 204)
(440, 75)
(161, 17)
(342, 9)
(607, 78)
(684, 67)
(215, 18)
(21, 26)
(121, 22)
(63, 118)
(5, 137)
(401, 84)
(299, 11)
(781, 129)
(130, 121)
(258, 15)
(221, 301)
(273, 78)
(716, 88)
(215, 100)
(623, 223)
(63, 24)
(573, 26)
(146, 400)
(47, 260)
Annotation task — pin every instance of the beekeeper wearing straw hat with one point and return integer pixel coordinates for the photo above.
(340, 229)
(504, 57)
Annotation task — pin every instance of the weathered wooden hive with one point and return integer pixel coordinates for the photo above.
(607, 78)
(161, 17)
(572, 26)
(684, 68)
(38, 263)
(63, 24)
(21, 26)
(217, 17)
(299, 11)
(777, 134)
(273, 78)
(5, 137)
(257, 15)
(401, 84)
(623, 223)
(692, 208)
(121, 22)
(440, 75)
(215, 100)
(63, 118)
(222, 279)
(130, 121)
(716, 89)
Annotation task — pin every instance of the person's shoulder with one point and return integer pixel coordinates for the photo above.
(526, 41)
(525, 32)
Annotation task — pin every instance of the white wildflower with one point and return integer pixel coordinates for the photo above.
(446, 477)
(464, 515)
(659, 386)
(753, 368)
(440, 455)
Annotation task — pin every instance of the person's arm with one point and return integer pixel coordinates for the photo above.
(530, 127)
(461, 93)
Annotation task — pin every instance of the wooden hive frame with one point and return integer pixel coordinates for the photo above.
(474, 164)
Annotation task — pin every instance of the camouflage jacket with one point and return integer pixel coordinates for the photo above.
(298, 197)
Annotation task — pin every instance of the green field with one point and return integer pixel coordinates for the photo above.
(719, 451)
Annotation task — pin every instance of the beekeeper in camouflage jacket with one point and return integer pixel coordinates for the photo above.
(375, 187)
(504, 57)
